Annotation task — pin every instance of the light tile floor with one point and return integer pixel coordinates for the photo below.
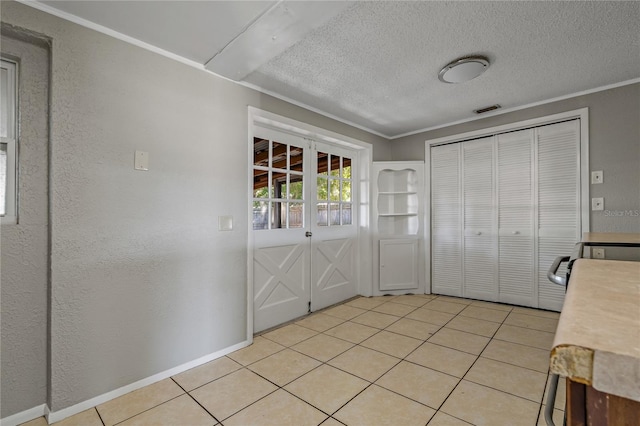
(391, 360)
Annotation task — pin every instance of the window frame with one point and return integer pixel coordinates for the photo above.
(11, 139)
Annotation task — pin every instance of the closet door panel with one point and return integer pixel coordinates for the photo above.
(516, 268)
(479, 268)
(516, 264)
(551, 296)
(558, 182)
(480, 244)
(558, 202)
(446, 216)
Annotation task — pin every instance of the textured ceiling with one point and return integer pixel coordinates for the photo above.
(375, 64)
(195, 30)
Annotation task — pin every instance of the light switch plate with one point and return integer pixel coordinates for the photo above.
(597, 204)
(225, 223)
(597, 177)
(141, 161)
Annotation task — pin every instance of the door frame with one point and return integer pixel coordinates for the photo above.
(582, 114)
(364, 150)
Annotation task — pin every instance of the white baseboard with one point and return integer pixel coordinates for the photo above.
(56, 416)
(25, 416)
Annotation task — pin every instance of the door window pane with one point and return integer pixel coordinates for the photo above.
(346, 168)
(335, 166)
(260, 184)
(296, 215)
(334, 213)
(323, 163)
(334, 190)
(278, 215)
(346, 214)
(279, 155)
(322, 214)
(277, 181)
(260, 152)
(296, 156)
(346, 190)
(260, 215)
(323, 190)
(294, 191)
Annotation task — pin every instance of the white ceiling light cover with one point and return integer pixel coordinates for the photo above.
(464, 69)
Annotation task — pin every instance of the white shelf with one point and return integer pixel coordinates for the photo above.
(395, 181)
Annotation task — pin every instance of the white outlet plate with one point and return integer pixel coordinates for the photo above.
(597, 253)
(597, 204)
(597, 177)
(225, 223)
(141, 161)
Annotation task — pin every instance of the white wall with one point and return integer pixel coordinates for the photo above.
(614, 147)
(141, 280)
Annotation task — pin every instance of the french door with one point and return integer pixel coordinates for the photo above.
(304, 226)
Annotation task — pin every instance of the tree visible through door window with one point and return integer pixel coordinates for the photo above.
(278, 185)
(333, 198)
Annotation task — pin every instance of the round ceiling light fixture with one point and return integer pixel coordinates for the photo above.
(463, 69)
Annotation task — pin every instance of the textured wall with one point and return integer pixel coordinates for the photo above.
(24, 246)
(614, 147)
(141, 279)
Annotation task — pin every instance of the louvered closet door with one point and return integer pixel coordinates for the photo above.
(446, 215)
(516, 216)
(558, 203)
(480, 244)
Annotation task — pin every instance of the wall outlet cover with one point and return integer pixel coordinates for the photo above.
(597, 204)
(225, 223)
(597, 177)
(141, 161)
(597, 253)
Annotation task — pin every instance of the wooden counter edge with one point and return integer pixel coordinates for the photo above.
(574, 362)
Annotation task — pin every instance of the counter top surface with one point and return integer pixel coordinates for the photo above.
(611, 237)
(598, 337)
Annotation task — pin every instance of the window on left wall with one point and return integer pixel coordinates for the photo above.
(8, 142)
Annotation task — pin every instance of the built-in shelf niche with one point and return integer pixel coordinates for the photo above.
(397, 202)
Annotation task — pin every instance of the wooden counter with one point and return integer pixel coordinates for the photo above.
(597, 342)
(610, 238)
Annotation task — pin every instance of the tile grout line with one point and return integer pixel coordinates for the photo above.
(400, 360)
(370, 383)
(470, 367)
(195, 400)
(458, 378)
(219, 377)
(148, 409)
(99, 416)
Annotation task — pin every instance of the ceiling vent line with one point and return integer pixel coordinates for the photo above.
(487, 109)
